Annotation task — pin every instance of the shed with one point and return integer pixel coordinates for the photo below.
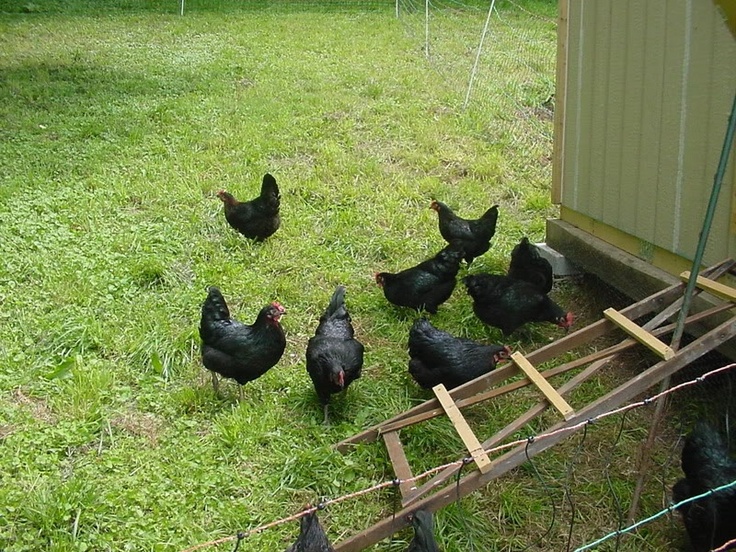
(644, 91)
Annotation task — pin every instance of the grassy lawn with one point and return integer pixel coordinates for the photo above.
(116, 132)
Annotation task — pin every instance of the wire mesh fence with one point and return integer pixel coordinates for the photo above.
(187, 6)
(183, 7)
(559, 491)
(498, 60)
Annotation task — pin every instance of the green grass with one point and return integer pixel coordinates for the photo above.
(117, 130)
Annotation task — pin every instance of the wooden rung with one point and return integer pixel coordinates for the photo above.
(711, 286)
(402, 470)
(554, 398)
(463, 429)
(640, 334)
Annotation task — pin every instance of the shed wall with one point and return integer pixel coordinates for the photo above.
(648, 89)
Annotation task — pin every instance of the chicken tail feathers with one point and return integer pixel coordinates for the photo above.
(311, 536)
(270, 191)
(524, 250)
(336, 308)
(486, 225)
(424, 540)
(491, 215)
(421, 332)
(214, 309)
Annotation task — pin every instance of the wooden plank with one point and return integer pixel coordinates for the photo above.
(463, 429)
(543, 385)
(514, 458)
(640, 334)
(711, 286)
(655, 302)
(402, 470)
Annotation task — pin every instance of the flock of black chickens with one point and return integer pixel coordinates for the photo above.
(334, 358)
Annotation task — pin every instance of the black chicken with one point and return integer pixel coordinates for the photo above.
(312, 537)
(334, 356)
(425, 286)
(507, 304)
(423, 540)
(438, 357)
(236, 350)
(706, 463)
(473, 236)
(528, 265)
(258, 218)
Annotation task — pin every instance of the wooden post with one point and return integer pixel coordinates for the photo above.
(402, 470)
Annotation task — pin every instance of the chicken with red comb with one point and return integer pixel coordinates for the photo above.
(239, 351)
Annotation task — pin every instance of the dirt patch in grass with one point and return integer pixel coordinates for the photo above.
(139, 424)
(5, 430)
(38, 408)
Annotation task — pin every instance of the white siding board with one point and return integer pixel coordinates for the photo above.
(670, 123)
(653, 100)
(615, 106)
(631, 194)
(695, 185)
(597, 75)
(577, 45)
(648, 92)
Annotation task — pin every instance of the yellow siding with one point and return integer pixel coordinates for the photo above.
(648, 89)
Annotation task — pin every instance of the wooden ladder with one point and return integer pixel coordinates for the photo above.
(400, 463)
(441, 489)
(408, 489)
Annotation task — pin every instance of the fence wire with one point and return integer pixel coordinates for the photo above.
(707, 379)
(498, 59)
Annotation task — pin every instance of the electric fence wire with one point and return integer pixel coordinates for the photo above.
(633, 527)
(513, 444)
(568, 486)
(547, 490)
(607, 470)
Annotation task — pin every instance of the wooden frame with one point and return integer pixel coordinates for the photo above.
(441, 490)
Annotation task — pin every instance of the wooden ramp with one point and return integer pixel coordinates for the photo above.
(444, 488)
